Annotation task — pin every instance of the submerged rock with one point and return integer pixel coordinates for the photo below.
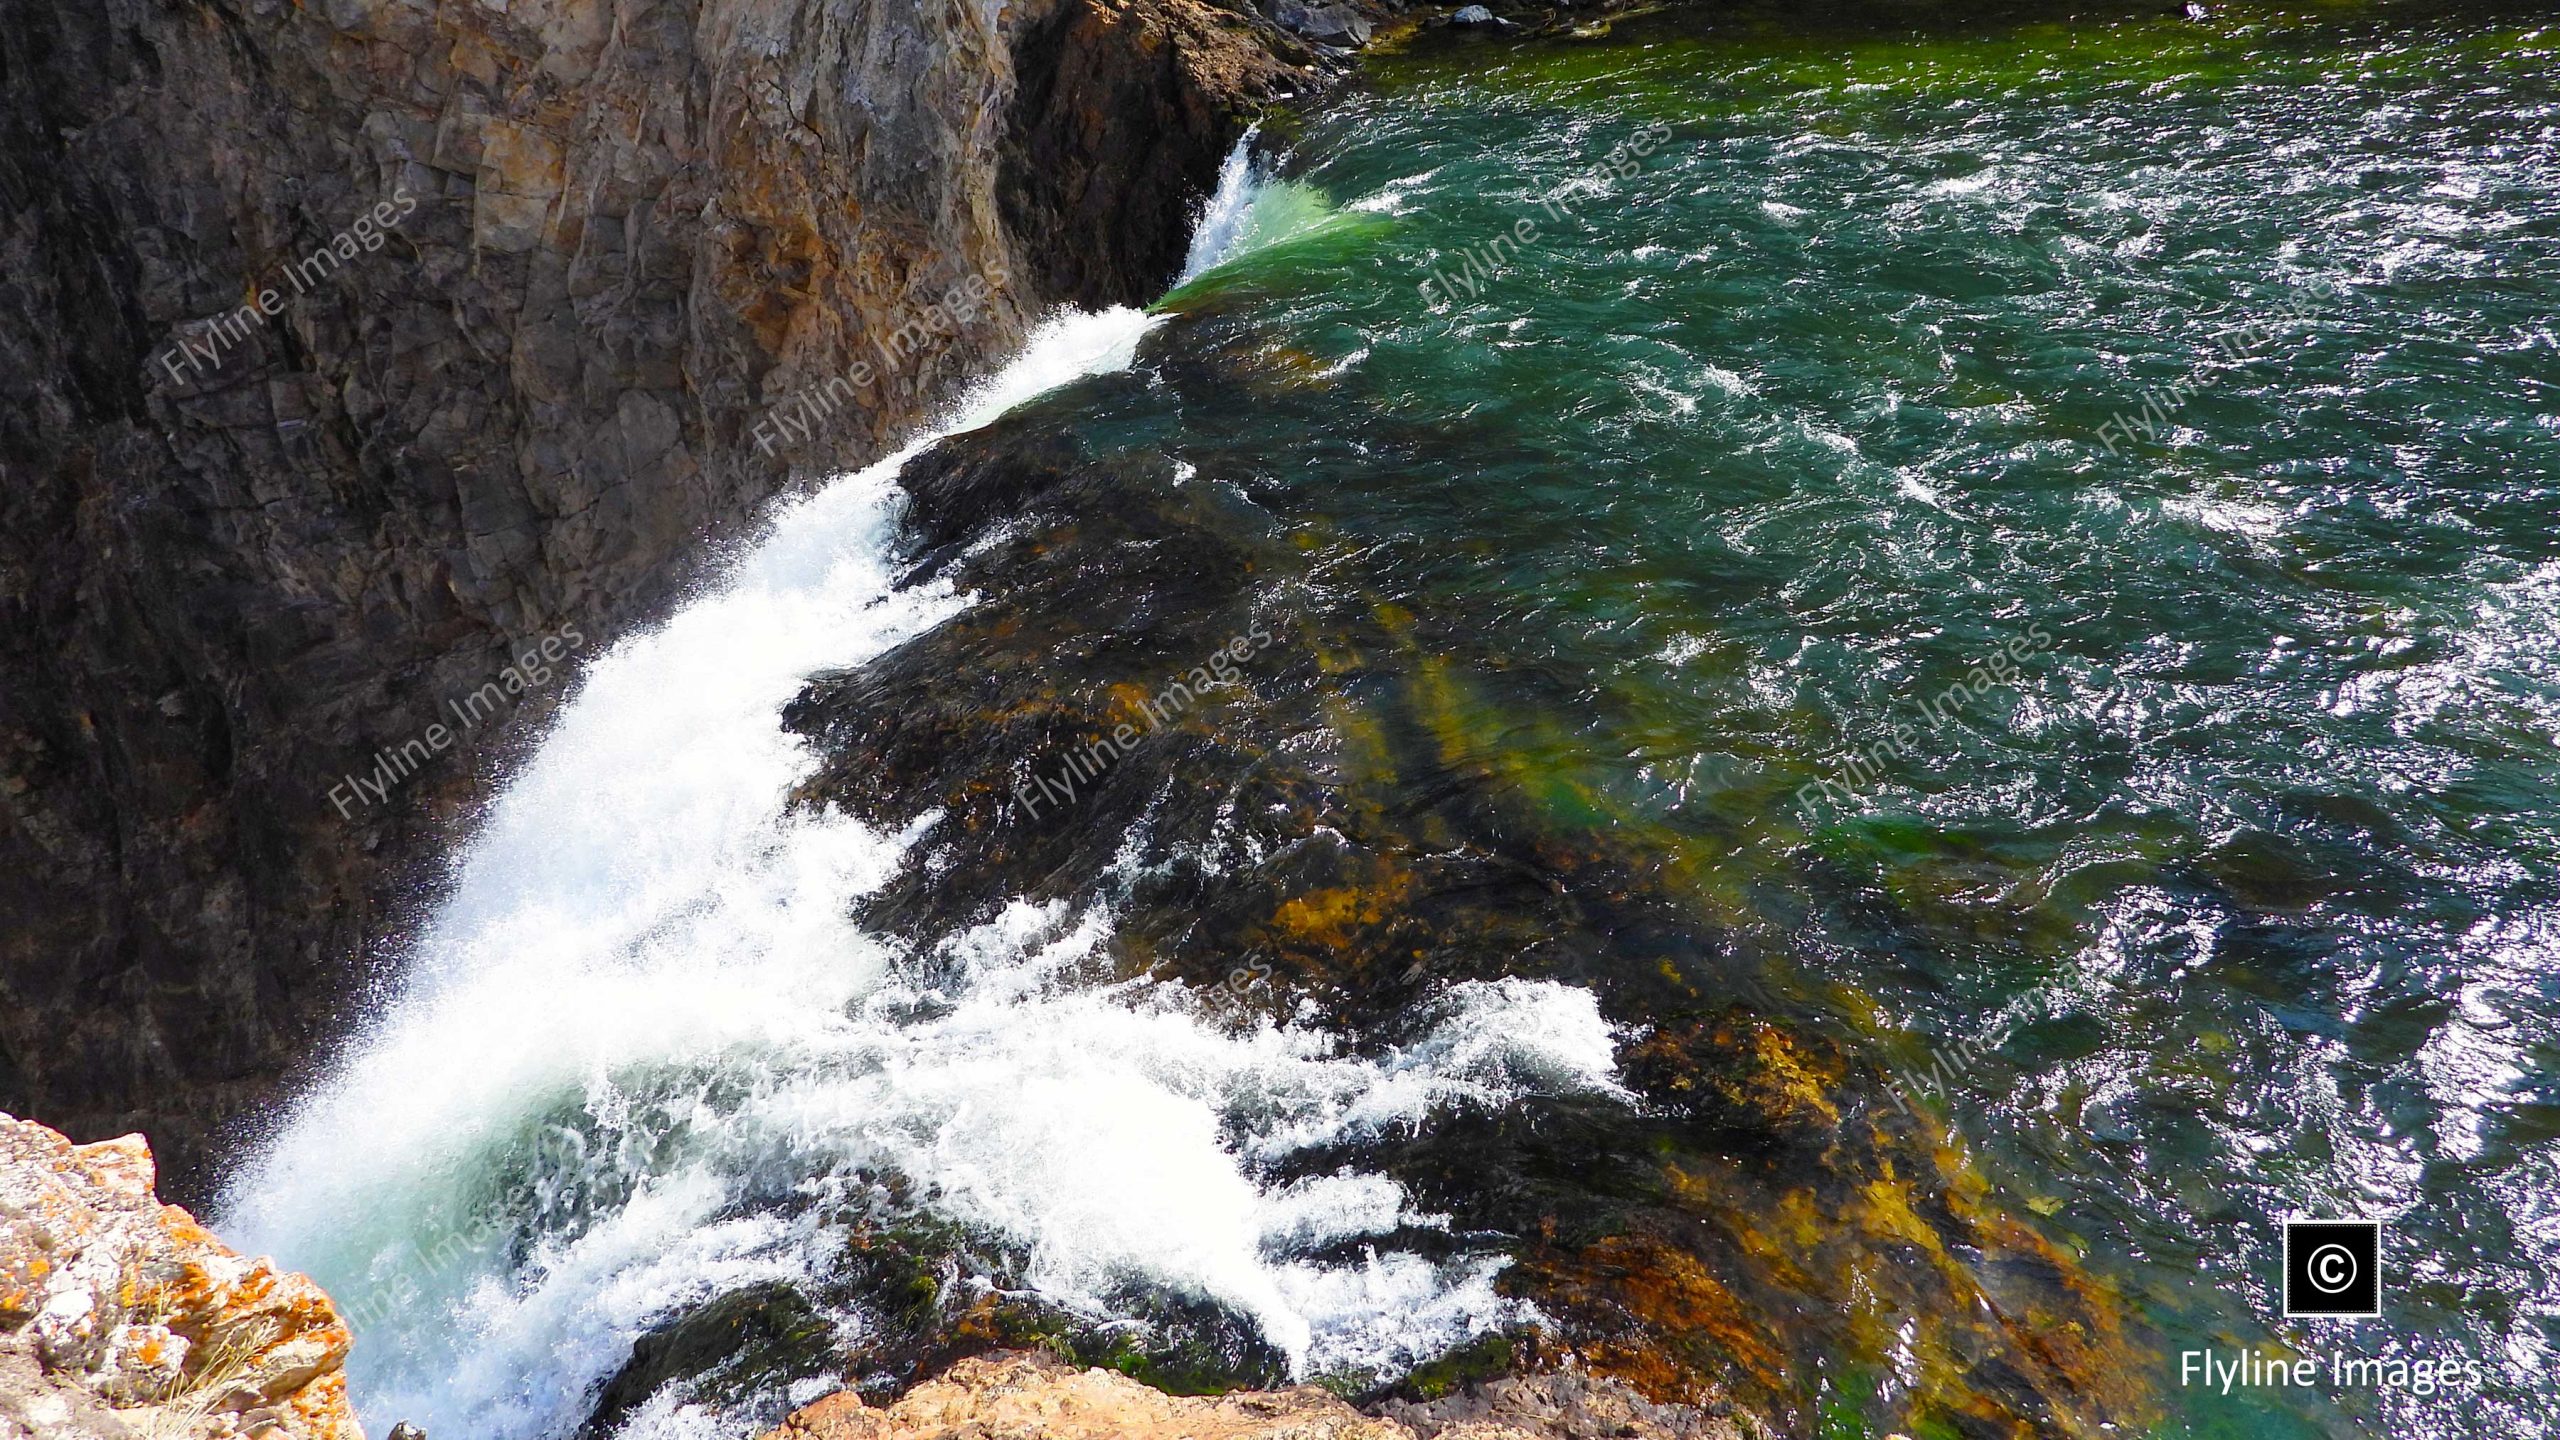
(120, 1315)
(1347, 820)
(1018, 1394)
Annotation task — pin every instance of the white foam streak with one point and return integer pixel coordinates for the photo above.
(1224, 219)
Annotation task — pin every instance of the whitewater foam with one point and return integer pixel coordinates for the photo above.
(1224, 216)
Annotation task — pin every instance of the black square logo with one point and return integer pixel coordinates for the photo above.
(2332, 1267)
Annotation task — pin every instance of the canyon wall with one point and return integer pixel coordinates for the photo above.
(374, 362)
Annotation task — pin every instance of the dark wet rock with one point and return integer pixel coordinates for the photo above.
(1331, 823)
(1739, 1074)
(930, 1293)
(1327, 24)
(760, 1337)
(1474, 15)
(955, 495)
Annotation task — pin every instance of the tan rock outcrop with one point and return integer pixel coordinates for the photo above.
(121, 1316)
(1022, 1396)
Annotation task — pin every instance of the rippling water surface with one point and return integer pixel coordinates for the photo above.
(2203, 374)
(2243, 889)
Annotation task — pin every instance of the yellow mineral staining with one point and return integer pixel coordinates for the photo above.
(1738, 1069)
(1688, 1325)
(1338, 920)
(1885, 1208)
(793, 253)
(1966, 1186)
(1778, 1078)
(1789, 1231)
(1885, 1230)
(1271, 368)
(1129, 703)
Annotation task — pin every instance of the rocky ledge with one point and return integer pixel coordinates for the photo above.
(1018, 1395)
(121, 1316)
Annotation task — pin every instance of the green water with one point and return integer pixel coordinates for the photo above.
(2229, 892)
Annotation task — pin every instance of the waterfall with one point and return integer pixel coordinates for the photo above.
(642, 1046)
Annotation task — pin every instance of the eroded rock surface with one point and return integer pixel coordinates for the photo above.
(121, 1316)
(1017, 1396)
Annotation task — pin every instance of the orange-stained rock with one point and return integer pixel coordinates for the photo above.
(1024, 1396)
(120, 1315)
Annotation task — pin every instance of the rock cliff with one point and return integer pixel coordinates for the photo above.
(120, 1316)
(374, 361)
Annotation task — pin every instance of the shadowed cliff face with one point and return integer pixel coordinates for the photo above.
(1112, 221)
(537, 278)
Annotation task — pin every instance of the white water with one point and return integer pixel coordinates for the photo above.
(643, 1031)
(1222, 220)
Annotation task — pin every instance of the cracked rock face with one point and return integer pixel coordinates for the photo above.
(358, 348)
(121, 1316)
